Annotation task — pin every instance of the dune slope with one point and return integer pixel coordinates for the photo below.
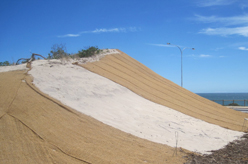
(128, 72)
(35, 128)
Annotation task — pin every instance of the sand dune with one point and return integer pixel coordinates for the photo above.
(128, 72)
(123, 109)
(77, 116)
(35, 128)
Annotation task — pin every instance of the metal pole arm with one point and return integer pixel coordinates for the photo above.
(181, 60)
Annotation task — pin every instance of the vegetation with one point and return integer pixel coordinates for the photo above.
(6, 63)
(233, 104)
(89, 52)
(58, 51)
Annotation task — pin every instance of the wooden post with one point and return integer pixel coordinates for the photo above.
(223, 102)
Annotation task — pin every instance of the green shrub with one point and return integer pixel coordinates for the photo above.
(89, 52)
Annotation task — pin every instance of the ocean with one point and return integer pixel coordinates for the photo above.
(242, 97)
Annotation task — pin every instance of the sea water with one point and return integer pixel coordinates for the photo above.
(227, 96)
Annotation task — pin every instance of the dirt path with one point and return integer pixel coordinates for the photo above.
(35, 128)
(128, 72)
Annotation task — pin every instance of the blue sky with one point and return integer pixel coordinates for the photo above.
(217, 29)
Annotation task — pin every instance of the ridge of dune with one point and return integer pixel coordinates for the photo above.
(128, 72)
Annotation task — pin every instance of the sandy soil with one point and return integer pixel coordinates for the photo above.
(35, 128)
(121, 108)
(148, 107)
(13, 68)
(128, 72)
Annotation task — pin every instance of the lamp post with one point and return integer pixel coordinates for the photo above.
(181, 50)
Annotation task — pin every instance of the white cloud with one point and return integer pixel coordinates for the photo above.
(227, 21)
(208, 3)
(109, 30)
(103, 30)
(160, 45)
(243, 31)
(235, 25)
(69, 35)
(199, 56)
(204, 56)
(243, 48)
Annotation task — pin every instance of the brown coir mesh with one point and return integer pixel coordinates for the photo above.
(128, 72)
(35, 128)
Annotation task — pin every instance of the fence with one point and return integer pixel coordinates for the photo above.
(227, 102)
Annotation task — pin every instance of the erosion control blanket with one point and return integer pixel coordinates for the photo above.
(35, 128)
(77, 116)
(128, 72)
(119, 107)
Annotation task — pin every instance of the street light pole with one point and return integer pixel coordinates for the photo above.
(181, 60)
